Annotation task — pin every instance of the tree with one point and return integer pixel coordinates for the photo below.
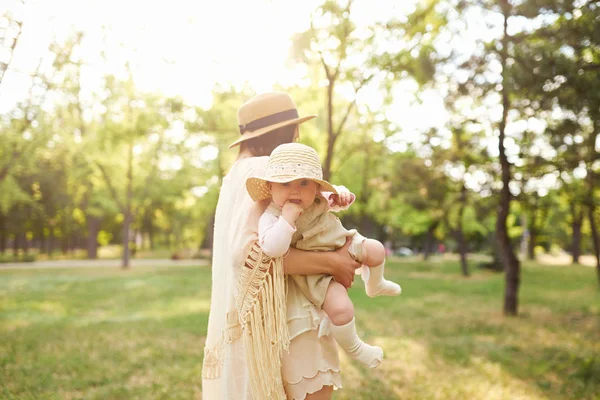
(130, 118)
(415, 204)
(215, 129)
(568, 85)
(351, 59)
(16, 125)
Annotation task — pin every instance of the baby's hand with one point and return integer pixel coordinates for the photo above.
(342, 199)
(291, 212)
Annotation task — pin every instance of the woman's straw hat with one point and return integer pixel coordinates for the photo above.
(287, 163)
(266, 112)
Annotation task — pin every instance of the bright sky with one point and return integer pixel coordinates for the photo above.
(178, 47)
(184, 48)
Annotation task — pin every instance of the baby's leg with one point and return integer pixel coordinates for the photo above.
(373, 255)
(337, 304)
(373, 252)
(340, 310)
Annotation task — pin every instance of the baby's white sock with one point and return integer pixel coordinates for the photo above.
(377, 285)
(348, 339)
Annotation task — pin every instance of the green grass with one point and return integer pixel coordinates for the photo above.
(112, 334)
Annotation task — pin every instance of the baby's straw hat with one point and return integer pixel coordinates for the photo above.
(287, 163)
(265, 113)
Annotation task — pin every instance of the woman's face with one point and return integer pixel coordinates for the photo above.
(300, 191)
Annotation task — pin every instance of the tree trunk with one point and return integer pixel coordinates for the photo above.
(531, 244)
(25, 243)
(462, 251)
(511, 262)
(125, 240)
(576, 243)
(591, 203)
(429, 239)
(41, 234)
(592, 219)
(364, 193)
(592, 187)
(330, 131)
(64, 241)
(533, 231)
(93, 224)
(460, 237)
(16, 245)
(51, 241)
(64, 244)
(3, 234)
(598, 273)
(151, 235)
(128, 212)
(74, 240)
(26, 219)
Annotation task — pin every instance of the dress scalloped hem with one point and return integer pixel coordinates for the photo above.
(304, 372)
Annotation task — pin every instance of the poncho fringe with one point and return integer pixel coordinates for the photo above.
(213, 358)
(261, 304)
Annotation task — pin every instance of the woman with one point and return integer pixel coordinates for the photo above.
(258, 344)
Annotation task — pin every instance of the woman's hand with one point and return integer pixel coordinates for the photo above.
(336, 263)
(343, 266)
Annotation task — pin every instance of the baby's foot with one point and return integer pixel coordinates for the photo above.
(348, 340)
(369, 355)
(377, 285)
(382, 288)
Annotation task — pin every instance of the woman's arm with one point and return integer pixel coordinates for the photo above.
(337, 263)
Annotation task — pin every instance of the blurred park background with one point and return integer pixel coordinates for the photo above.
(468, 129)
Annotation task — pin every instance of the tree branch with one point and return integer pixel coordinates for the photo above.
(29, 118)
(5, 65)
(343, 40)
(152, 174)
(351, 105)
(321, 56)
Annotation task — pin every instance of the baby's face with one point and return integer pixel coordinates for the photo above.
(300, 191)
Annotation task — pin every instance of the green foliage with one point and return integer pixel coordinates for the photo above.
(11, 193)
(472, 224)
(65, 153)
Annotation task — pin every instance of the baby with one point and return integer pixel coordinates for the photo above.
(299, 216)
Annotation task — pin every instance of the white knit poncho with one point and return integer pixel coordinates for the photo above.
(247, 329)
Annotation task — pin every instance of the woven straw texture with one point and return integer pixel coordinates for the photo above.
(263, 105)
(287, 163)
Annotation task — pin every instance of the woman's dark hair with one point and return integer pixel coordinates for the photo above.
(263, 145)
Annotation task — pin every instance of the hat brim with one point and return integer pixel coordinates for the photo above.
(258, 188)
(267, 129)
